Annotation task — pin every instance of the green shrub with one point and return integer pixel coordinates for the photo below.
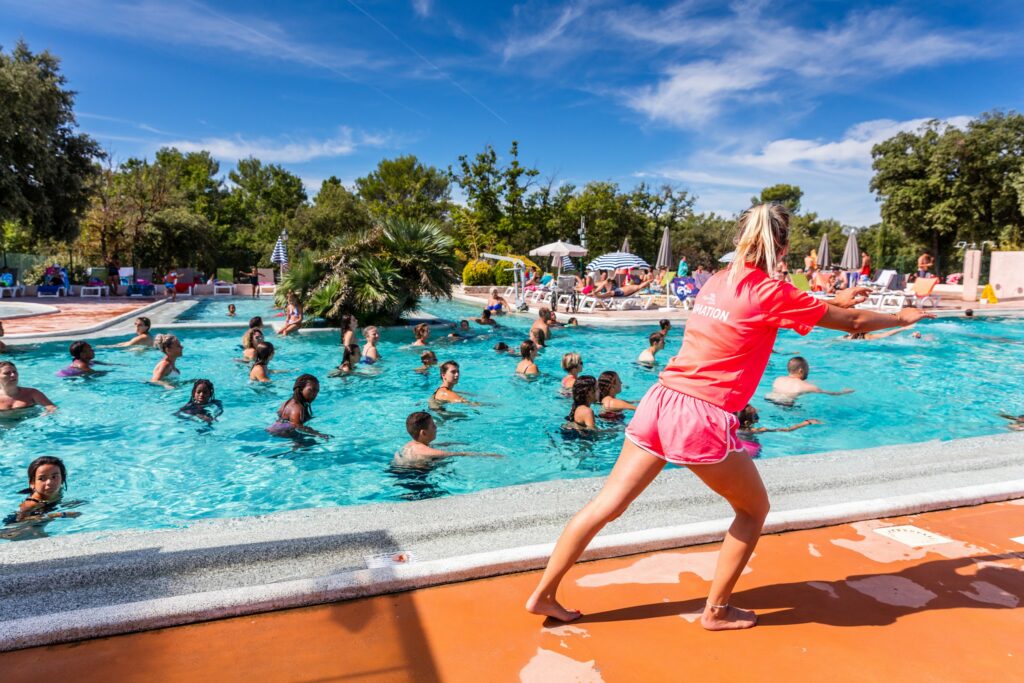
(477, 272)
(503, 275)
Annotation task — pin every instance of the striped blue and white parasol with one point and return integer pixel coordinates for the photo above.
(567, 263)
(280, 253)
(616, 260)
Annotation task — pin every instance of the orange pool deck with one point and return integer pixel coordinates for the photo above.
(841, 603)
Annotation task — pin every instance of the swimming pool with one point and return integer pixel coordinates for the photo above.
(139, 466)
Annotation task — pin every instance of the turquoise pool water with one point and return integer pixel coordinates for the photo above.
(138, 466)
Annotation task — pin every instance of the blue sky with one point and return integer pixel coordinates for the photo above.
(721, 99)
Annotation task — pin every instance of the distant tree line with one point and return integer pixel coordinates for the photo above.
(61, 194)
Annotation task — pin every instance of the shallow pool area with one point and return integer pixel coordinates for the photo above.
(137, 465)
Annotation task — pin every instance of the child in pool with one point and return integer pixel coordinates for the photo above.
(748, 418)
(231, 310)
(82, 359)
(794, 384)
(47, 481)
(485, 318)
(665, 325)
(422, 334)
(608, 387)
(429, 360)
(572, 363)
(572, 322)
(419, 452)
(261, 360)
(370, 353)
(584, 394)
(527, 366)
(464, 331)
(657, 343)
(202, 405)
(294, 413)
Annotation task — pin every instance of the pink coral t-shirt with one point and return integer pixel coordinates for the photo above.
(730, 333)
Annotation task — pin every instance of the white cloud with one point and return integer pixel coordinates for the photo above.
(834, 174)
(187, 23)
(761, 53)
(422, 7)
(280, 150)
(538, 40)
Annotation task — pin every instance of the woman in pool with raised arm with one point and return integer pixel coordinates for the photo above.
(14, 397)
(293, 315)
(260, 372)
(141, 339)
(294, 413)
(202, 405)
(527, 366)
(688, 418)
(608, 387)
(422, 334)
(572, 363)
(166, 369)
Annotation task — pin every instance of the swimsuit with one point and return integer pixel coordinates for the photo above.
(366, 360)
(71, 371)
(494, 307)
(282, 427)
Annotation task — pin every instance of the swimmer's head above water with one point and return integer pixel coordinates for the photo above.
(798, 367)
(202, 392)
(421, 427)
(747, 417)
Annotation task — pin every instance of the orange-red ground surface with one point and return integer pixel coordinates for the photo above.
(843, 603)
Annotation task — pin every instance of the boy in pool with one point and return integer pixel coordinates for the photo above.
(47, 480)
(429, 360)
(665, 324)
(485, 318)
(419, 452)
(657, 343)
(202, 405)
(231, 310)
(82, 359)
(794, 384)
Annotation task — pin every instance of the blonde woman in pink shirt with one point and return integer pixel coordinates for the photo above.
(688, 418)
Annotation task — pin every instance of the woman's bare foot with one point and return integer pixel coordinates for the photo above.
(547, 606)
(726, 618)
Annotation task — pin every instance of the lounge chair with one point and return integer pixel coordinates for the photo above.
(91, 288)
(9, 284)
(224, 282)
(923, 287)
(886, 298)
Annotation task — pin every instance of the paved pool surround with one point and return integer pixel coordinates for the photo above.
(102, 583)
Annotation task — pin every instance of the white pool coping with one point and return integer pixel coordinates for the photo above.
(229, 567)
(31, 309)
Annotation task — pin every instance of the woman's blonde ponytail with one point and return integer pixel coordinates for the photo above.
(763, 234)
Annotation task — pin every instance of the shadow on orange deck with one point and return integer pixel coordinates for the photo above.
(842, 603)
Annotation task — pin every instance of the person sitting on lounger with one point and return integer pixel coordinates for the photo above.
(611, 291)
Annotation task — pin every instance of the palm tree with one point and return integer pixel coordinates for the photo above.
(382, 273)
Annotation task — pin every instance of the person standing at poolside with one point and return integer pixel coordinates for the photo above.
(688, 418)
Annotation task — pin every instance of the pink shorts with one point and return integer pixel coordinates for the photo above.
(682, 429)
